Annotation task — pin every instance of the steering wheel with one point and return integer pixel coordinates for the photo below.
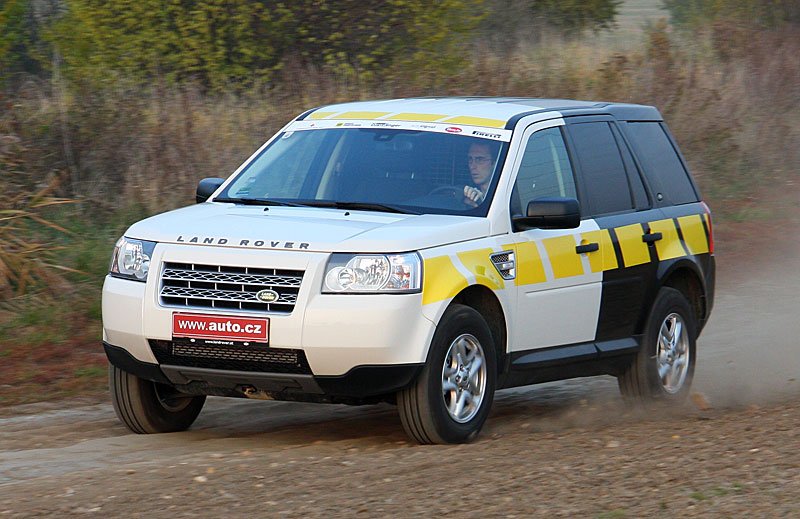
(452, 191)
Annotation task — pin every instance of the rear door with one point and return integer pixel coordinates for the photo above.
(616, 198)
(684, 223)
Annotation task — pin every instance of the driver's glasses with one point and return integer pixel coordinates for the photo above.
(478, 159)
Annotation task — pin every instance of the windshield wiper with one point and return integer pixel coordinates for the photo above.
(258, 201)
(366, 206)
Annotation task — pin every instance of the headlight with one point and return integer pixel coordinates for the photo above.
(131, 259)
(373, 273)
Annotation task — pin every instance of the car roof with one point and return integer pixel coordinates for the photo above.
(494, 112)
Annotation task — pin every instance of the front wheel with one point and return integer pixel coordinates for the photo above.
(451, 398)
(147, 407)
(664, 367)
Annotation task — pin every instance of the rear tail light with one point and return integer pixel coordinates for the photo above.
(710, 232)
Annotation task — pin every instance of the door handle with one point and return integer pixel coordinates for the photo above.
(652, 237)
(588, 247)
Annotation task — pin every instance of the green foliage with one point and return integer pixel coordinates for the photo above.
(23, 44)
(613, 514)
(233, 44)
(214, 41)
(766, 13)
(16, 38)
(372, 35)
(91, 372)
(574, 16)
(222, 43)
(720, 491)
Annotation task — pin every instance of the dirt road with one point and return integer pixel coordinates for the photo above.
(563, 449)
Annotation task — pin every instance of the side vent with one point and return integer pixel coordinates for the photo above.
(505, 263)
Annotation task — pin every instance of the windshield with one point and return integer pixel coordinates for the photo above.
(396, 170)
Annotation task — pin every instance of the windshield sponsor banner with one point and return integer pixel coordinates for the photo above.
(203, 326)
(479, 132)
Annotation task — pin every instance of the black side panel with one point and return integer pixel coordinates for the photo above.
(571, 361)
(553, 356)
(628, 289)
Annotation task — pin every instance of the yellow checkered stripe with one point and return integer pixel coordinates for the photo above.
(683, 236)
(412, 117)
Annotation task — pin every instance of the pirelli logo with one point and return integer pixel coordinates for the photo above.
(563, 257)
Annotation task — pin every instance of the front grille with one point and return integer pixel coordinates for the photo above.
(232, 358)
(230, 288)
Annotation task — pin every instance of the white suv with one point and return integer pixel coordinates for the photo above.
(424, 252)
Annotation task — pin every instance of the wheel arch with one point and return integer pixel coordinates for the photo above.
(685, 276)
(484, 301)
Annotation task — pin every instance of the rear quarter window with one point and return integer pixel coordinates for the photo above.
(661, 163)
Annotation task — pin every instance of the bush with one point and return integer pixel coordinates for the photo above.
(238, 44)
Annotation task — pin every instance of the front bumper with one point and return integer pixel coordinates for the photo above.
(358, 383)
(338, 334)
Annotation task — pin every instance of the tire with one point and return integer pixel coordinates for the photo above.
(674, 353)
(462, 356)
(147, 407)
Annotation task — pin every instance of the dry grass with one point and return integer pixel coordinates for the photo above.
(734, 113)
(732, 108)
(25, 257)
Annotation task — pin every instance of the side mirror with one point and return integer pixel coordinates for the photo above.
(550, 213)
(206, 188)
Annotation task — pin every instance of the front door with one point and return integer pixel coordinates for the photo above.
(558, 285)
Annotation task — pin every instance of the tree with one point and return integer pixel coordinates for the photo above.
(213, 41)
(573, 16)
(766, 13)
(510, 21)
(22, 47)
(221, 43)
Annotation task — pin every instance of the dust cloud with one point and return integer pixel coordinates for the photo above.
(749, 352)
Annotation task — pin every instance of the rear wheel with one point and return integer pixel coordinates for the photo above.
(664, 367)
(451, 398)
(147, 407)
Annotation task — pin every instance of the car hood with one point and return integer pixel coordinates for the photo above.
(306, 228)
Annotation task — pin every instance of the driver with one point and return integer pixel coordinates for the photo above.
(480, 159)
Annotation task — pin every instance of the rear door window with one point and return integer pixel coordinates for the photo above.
(661, 163)
(602, 170)
(634, 177)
